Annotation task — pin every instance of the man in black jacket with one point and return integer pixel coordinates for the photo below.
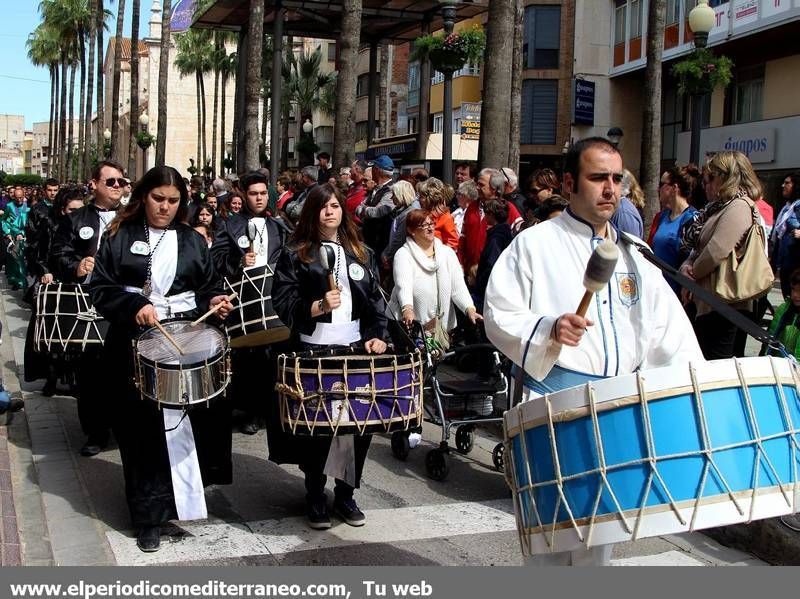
(239, 246)
(75, 244)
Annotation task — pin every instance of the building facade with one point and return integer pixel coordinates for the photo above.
(756, 113)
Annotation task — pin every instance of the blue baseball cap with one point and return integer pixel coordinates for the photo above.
(383, 162)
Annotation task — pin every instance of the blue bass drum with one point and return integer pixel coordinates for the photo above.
(658, 452)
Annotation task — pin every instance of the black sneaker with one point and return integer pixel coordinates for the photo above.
(347, 510)
(317, 515)
(49, 389)
(14, 405)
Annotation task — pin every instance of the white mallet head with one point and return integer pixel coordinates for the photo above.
(601, 266)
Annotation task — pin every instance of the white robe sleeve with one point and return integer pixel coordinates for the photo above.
(403, 270)
(672, 339)
(511, 323)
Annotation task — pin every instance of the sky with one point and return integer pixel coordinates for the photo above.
(25, 89)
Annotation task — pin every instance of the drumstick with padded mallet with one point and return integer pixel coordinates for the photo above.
(598, 273)
(327, 258)
(214, 310)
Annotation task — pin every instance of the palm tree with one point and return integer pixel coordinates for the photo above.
(43, 50)
(252, 87)
(310, 90)
(227, 69)
(163, 80)
(117, 76)
(515, 127)
(266, 84)
(134, 110)
(650, 172)
(496, 108)
(99, 26)
(193, 57)
(344, 139)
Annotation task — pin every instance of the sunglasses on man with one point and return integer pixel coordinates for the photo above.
(120, 181)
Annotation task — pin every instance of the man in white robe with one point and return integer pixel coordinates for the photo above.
(634, 322)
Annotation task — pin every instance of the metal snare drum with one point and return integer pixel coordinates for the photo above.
(174, 380)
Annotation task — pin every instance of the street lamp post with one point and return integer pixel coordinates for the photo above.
(107, 143)
(308, 129)
(615, 136)
(701, 21)
(144, 140)
(449, 16)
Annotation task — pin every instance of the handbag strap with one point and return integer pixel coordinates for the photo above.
(710, 298)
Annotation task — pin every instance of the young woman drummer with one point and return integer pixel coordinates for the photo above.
(351, 314)
(150, 267)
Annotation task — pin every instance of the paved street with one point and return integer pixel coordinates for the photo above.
(71, 510)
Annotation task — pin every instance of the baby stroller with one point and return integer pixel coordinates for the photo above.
(464, 386)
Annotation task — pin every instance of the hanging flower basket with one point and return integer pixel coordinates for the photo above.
(144, 139)
(701, 72)
(452, 52)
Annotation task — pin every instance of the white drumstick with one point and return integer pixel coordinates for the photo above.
(214, 310)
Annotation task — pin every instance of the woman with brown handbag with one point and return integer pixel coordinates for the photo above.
(727, 250)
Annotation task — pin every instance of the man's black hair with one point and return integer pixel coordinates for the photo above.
(251, 178)
(573, 159)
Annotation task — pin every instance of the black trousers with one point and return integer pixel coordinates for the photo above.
(94, 395)
(313, 463)
(717, 336)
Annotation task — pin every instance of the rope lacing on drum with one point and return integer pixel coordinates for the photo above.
(602, 469)
(759, 445)
(793, 368)
(707, 451)
(559, 478)
(89, 315)
(651, 459)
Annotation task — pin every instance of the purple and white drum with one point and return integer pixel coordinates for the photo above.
(339, 392)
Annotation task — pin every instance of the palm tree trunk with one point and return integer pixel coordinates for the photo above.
(134, 118)
(255, 40)
(81, 109)
(62, 134)
(515, 124)
(222, 123)
(52, 125)
(218, 47)
(100, 16)
(199, 159)
(264, 119)
(204, 138)
(344, 135)
(70, 133)
(496, 109)
(117, 76)
(87, 118)
(54, 149)
(650, 172)
(163, 80)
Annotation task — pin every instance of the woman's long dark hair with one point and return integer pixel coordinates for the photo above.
(157, 176)
(306, 237)
(64, 196)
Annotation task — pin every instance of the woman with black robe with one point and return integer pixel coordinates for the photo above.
(351, 315)
(151, 266)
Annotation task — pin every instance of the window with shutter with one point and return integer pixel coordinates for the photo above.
(542, 37)
(539, 111)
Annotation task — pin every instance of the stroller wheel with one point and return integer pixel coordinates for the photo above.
(465, 439)
(498, 457)
(400, 446)
(436, 465)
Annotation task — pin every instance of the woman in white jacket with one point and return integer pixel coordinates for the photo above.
(429, 280)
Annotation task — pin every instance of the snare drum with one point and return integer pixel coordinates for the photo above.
(176, 380)
(253, 321)
(343, 393)
(66, 319)
(658, 452)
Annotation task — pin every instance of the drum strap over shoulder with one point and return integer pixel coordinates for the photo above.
(709, 297)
